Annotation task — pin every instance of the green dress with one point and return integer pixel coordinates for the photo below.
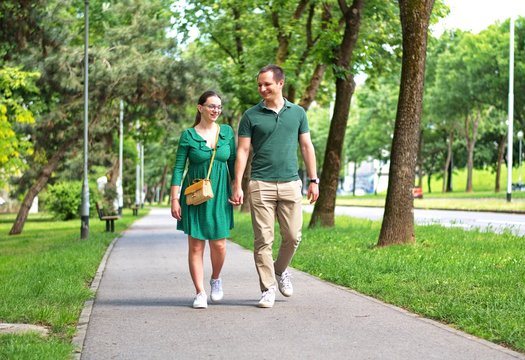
(213, 219)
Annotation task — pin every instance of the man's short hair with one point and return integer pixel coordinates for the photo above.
(278, 73)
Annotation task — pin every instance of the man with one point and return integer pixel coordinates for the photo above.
(274, 128)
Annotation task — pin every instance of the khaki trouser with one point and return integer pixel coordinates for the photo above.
(268, 201)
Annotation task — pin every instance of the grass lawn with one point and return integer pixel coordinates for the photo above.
(45, 274)
(474, 202)
(471, 280)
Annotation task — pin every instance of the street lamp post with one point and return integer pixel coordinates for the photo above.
(511, 111)
(84, 215)
(120, 190)
(137, 178)
(520, 138)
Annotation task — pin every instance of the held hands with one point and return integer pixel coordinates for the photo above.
(237, 197)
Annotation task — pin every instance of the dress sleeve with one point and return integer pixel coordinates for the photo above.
(233, 155)
(180, 159)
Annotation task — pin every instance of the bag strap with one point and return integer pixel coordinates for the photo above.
(214, 151)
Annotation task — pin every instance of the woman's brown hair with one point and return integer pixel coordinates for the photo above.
(202, 99)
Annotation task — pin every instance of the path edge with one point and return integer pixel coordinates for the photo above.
(85, 315)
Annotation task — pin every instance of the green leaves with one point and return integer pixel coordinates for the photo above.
(17, 93)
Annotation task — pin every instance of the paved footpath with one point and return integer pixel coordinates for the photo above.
(143, 310)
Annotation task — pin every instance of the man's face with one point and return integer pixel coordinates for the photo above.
(269, 89)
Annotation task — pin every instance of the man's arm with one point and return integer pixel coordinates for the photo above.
(243, 151)
(308, 152)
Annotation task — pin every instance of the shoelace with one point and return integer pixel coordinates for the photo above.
(215, 285)
(286, 278)
(266, 295)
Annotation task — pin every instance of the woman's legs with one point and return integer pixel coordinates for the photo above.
(217, 255)
(195, 261)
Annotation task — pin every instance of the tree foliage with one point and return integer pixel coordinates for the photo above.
(130, 58)
(17, 99)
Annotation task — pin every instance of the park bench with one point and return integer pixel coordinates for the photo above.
(135, 209)
(109, 219)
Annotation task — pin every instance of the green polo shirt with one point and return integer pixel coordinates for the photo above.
(274, 139)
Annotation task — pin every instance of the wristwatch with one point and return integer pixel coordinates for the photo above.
(315, 181)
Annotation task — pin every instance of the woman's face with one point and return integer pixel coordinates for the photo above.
(211, 109)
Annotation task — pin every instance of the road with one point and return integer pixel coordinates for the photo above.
(490, 221)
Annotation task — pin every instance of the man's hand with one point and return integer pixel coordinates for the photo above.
(313, 192)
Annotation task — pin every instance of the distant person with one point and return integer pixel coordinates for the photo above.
(274, 128)
(213, 219)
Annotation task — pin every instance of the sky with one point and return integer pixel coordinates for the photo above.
(477, 15)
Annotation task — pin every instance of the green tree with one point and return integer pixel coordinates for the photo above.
(470, 90)
(17, 99)
(131, 58)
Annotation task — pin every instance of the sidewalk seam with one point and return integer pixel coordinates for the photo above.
(85, 315)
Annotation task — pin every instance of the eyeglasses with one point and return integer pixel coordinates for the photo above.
(214, 107)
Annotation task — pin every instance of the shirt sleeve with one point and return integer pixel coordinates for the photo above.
(180, 159)
(303, 126)
(245, 128)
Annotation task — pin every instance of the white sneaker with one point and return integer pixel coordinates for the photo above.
(285, 283)
(216, 290)
(267, 298)
(200, 301)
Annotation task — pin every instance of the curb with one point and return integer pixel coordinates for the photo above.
(436, 323)
(83, 321)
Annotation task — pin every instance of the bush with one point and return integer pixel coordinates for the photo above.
(64, 200)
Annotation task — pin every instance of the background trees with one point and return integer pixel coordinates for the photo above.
(131, 58)
(147, 54)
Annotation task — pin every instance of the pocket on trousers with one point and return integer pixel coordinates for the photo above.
(253, 186)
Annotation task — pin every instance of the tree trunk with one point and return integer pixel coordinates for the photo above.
(354, 177)
(283, 34)
(114, 172)
(323, 213)
(320, 69)
(501, 153)
(35, 189)
(420, 160)
(311, 91)
(48, 169)
(446, 166)
(163, 183)
(470, 139)
(450, 173)
(398, 220)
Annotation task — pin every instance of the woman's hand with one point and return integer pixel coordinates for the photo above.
(175, 209)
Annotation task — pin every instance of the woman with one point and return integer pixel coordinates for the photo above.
(213, 219)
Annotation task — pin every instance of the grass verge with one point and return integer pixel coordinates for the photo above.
(471, 280)
(482, 201)
(45, 274)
